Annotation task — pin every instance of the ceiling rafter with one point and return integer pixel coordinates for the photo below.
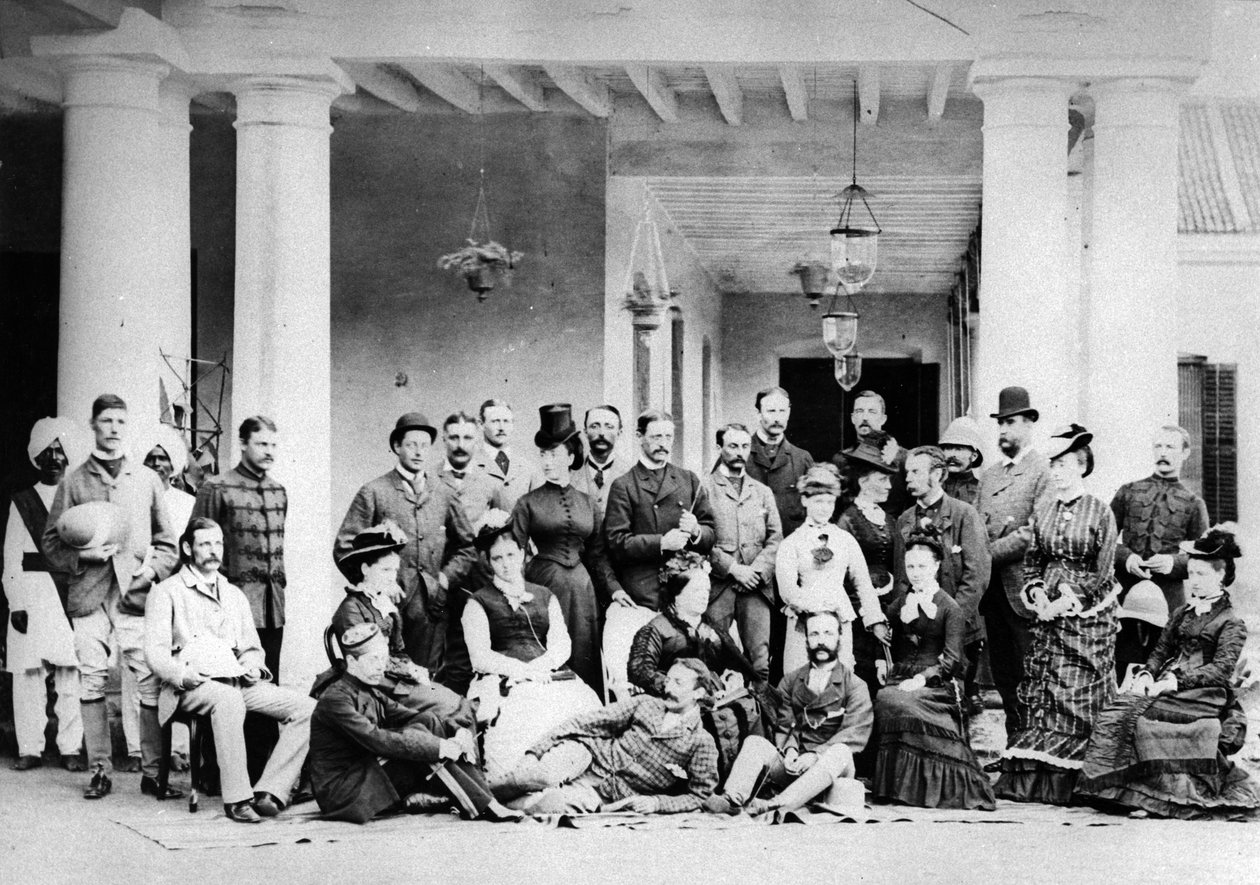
(448, 84)
(383, 84)
(520, 84)
(794, 91)
(725, 87)
(588, 93)
(652, 86)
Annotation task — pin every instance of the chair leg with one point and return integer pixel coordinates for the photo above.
(164, 760)
(194, 763)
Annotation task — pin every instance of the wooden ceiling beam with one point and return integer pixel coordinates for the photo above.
(520, 84)
(730, 98)
(794, 91)
(384, 84)
(652, 86)
(448, 84)
(589, 94)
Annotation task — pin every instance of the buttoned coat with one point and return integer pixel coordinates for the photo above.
(747, 531)
(522, 474)
(810, 723)
(966, 566)
(1006, 499)
(1154, 515)
(780, 475)
(138, 491)
(583, 479)
(639, 513)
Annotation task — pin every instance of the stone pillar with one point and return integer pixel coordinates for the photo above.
(1024, 332)
(1131, 386)
(281, 337)
(113, 305)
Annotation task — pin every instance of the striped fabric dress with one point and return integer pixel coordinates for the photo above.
(1068, 676)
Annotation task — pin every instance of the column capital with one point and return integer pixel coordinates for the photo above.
(138, 37)
(111, 81)
(268, 99)
(174, 96)
(1083, 71)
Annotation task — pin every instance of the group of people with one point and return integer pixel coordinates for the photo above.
(576, 631)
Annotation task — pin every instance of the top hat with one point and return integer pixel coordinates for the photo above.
(1145, 602)
(89, 525)
(1069, 438)
(369, 544)
(411, 421)
(964, 432)
(869, 453)
(557, 425)
(1014, 401)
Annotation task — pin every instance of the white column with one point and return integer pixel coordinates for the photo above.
(281, 337)
(112, 311)
(1024, 332)
(1132, 381)
(172, 264)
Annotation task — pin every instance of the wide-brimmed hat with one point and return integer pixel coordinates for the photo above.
(557, 425)
(492, 524)
(89, 525)
(1145, 602)
(1218, 542)
(869, 453)
(1014, 401)
(411, 421)
(821, 479)
(369, 544)
(964, 431)
(1069, 438)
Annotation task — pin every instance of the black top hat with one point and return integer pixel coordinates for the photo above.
(1069, 438)
(1014, 401)
(369, 544)
(557, 425)
(869, 453)
(411, 421)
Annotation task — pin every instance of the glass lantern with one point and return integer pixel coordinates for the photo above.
(854, 247)
(848, 371)
(840, 330)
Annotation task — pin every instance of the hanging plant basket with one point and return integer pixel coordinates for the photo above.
(813, 277)
(481, 265)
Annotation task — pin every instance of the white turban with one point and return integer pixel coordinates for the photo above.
(50, 430)
(171, 441)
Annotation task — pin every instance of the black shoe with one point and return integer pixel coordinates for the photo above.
(150, 787)
(73, 762)
(26, 763)
(242, 812)
(974, 705)
(100, 786)
(267, 805)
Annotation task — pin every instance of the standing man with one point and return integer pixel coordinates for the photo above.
(602, 464)
(497, 459)
(113, 556)
(747, 532)
(654, 511)
(1009, 491)
(1154, 515)
(774, 461)
(869, 415)
(251, 508)
(962, 447)
(966, 564)
(41, 642)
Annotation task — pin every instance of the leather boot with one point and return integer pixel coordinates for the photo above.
(806, 787)
(527, 777)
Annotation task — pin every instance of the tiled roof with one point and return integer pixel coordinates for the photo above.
(1218, 188)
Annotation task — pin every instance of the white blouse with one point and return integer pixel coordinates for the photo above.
(809, 586)
(486, 660)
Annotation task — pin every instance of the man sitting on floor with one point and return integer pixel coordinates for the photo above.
(824, 717)
(200, 641)
(645, 754)
(370, 754)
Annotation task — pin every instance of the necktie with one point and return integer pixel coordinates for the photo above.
(599, 476)
(417, 483)
(502, 460)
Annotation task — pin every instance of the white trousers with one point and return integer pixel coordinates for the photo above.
(30, 710)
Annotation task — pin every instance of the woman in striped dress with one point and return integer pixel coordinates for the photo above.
(1069, 584)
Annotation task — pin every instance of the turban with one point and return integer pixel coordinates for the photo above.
(49, 430)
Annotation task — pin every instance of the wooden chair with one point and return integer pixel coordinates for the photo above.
(198, 729)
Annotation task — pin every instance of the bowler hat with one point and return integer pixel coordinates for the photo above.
(1070, 438)
(1014, 401)
(411, 421)
(867, 454)
(1145, 602)
(369, 544)
(964, 432)
(557, 425)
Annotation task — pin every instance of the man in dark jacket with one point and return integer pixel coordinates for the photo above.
(371, 755)
(654, 511)
(774, 461)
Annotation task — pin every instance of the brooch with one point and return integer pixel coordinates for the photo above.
(823, 555)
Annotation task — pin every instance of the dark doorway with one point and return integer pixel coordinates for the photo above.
(820, 409)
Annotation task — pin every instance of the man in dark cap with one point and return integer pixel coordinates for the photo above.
(370, 755)
(1008, 493)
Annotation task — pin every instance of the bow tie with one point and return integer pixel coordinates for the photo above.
(1202, 605)
(916, 602)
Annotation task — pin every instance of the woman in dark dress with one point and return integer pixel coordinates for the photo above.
(1162, 748)
(1069, 675)
(566, 529)
(924, 758)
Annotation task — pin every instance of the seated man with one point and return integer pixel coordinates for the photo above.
(644, 754)
(200, 641)
(370, 754)
(824, 717)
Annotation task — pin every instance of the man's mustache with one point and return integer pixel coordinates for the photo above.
(736, 462)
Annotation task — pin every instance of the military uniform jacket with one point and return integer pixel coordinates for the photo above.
(1154, 515)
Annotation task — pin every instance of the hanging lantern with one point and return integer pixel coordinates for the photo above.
(848, 371)
(854, 241)
(646, 287)
(812, 273)
(840, 332)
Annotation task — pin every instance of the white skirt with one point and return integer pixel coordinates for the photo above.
(528, 713)
(48, 637)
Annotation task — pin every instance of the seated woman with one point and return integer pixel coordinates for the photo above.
(924, 758)
(681, 630)
(519, 646)
(1162, 748)
(371, 568)
(812, 566)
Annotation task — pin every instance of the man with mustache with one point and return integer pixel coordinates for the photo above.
(40, 641)
(747, 532)
(774, 461)
(869, 415)
(497, 459)
(962, 447)
(113, 557)
(251, 508)
(653, 511)
(435, 509)
(603, 464)
(200, 639)
(824, 717)
(1154, 515)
